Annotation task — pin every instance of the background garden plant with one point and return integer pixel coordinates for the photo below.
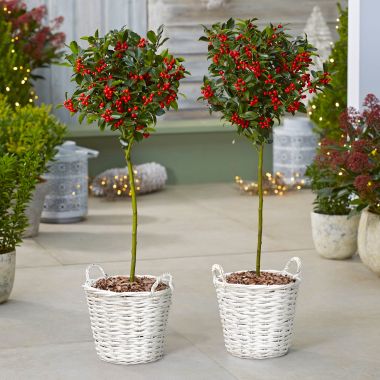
(353, 160)
(17, 181)
(123, 82)
(326, 107)
(30, 129)
(28, 42)
(333, 193)
(256, 76)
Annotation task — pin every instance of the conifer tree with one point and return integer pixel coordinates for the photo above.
(325, 108)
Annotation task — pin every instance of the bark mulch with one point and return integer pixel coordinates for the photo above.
(121, 284)
(265, 278)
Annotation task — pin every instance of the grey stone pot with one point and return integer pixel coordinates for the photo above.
(34, 210)
(369, 240)
(335, 236)
(7, 274)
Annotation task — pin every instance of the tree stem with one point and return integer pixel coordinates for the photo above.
(134, 211)
(260, 213)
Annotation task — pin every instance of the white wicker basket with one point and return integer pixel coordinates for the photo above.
(257, 320)
(129, 327)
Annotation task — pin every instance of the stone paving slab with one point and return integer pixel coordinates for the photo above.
(45, 330)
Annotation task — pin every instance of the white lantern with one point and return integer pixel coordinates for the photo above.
(67, 180)
(294, 146)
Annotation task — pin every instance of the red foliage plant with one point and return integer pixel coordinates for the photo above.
(41, 42)
(355, 157)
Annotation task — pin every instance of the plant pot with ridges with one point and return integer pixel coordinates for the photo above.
(256, 76)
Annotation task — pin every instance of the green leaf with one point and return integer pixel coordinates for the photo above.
(160, 112)
(74, 47)
(174, 105)
(250, 115)
(152, 36)
(81, 117)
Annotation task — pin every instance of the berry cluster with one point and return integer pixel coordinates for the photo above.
(235, 119)
(108, 92)
(69, 105)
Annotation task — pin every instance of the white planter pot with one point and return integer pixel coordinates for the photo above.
(7, 274)
(369, 240)
(129, 327)
(34, 210)
(335, 236)
(257, 320)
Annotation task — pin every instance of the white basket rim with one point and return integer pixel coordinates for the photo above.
(255, 286)
(88, 286)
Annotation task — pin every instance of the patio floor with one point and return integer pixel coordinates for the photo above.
(45, 331)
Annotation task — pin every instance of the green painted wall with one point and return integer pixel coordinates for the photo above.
(190, 156)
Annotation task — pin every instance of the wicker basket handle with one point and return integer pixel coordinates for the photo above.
(166, 278)
(88, 278)
(295, 260)
(218, 273)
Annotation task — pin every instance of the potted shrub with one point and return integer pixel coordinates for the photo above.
(34, 129)
(256, 76)
(17, 181)
(124, 83)
(356, 159)
(334, 227)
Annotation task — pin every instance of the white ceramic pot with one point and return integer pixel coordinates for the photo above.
(369, 240)
(7, 274)
(335, 236)
(257, 320)
(34, 210)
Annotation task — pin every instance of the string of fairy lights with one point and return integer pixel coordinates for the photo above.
(272, 184)
(24, 80)
(116, 186)
(331, 60)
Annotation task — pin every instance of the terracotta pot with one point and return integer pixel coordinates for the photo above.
(369, 240)
(7, 274)
(335, 236)
(34, 210)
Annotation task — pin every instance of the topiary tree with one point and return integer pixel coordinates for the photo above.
(124, 83)
(256, 76)
(325, 108)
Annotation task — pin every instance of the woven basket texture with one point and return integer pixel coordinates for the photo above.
(257, 320)
(129, 327)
